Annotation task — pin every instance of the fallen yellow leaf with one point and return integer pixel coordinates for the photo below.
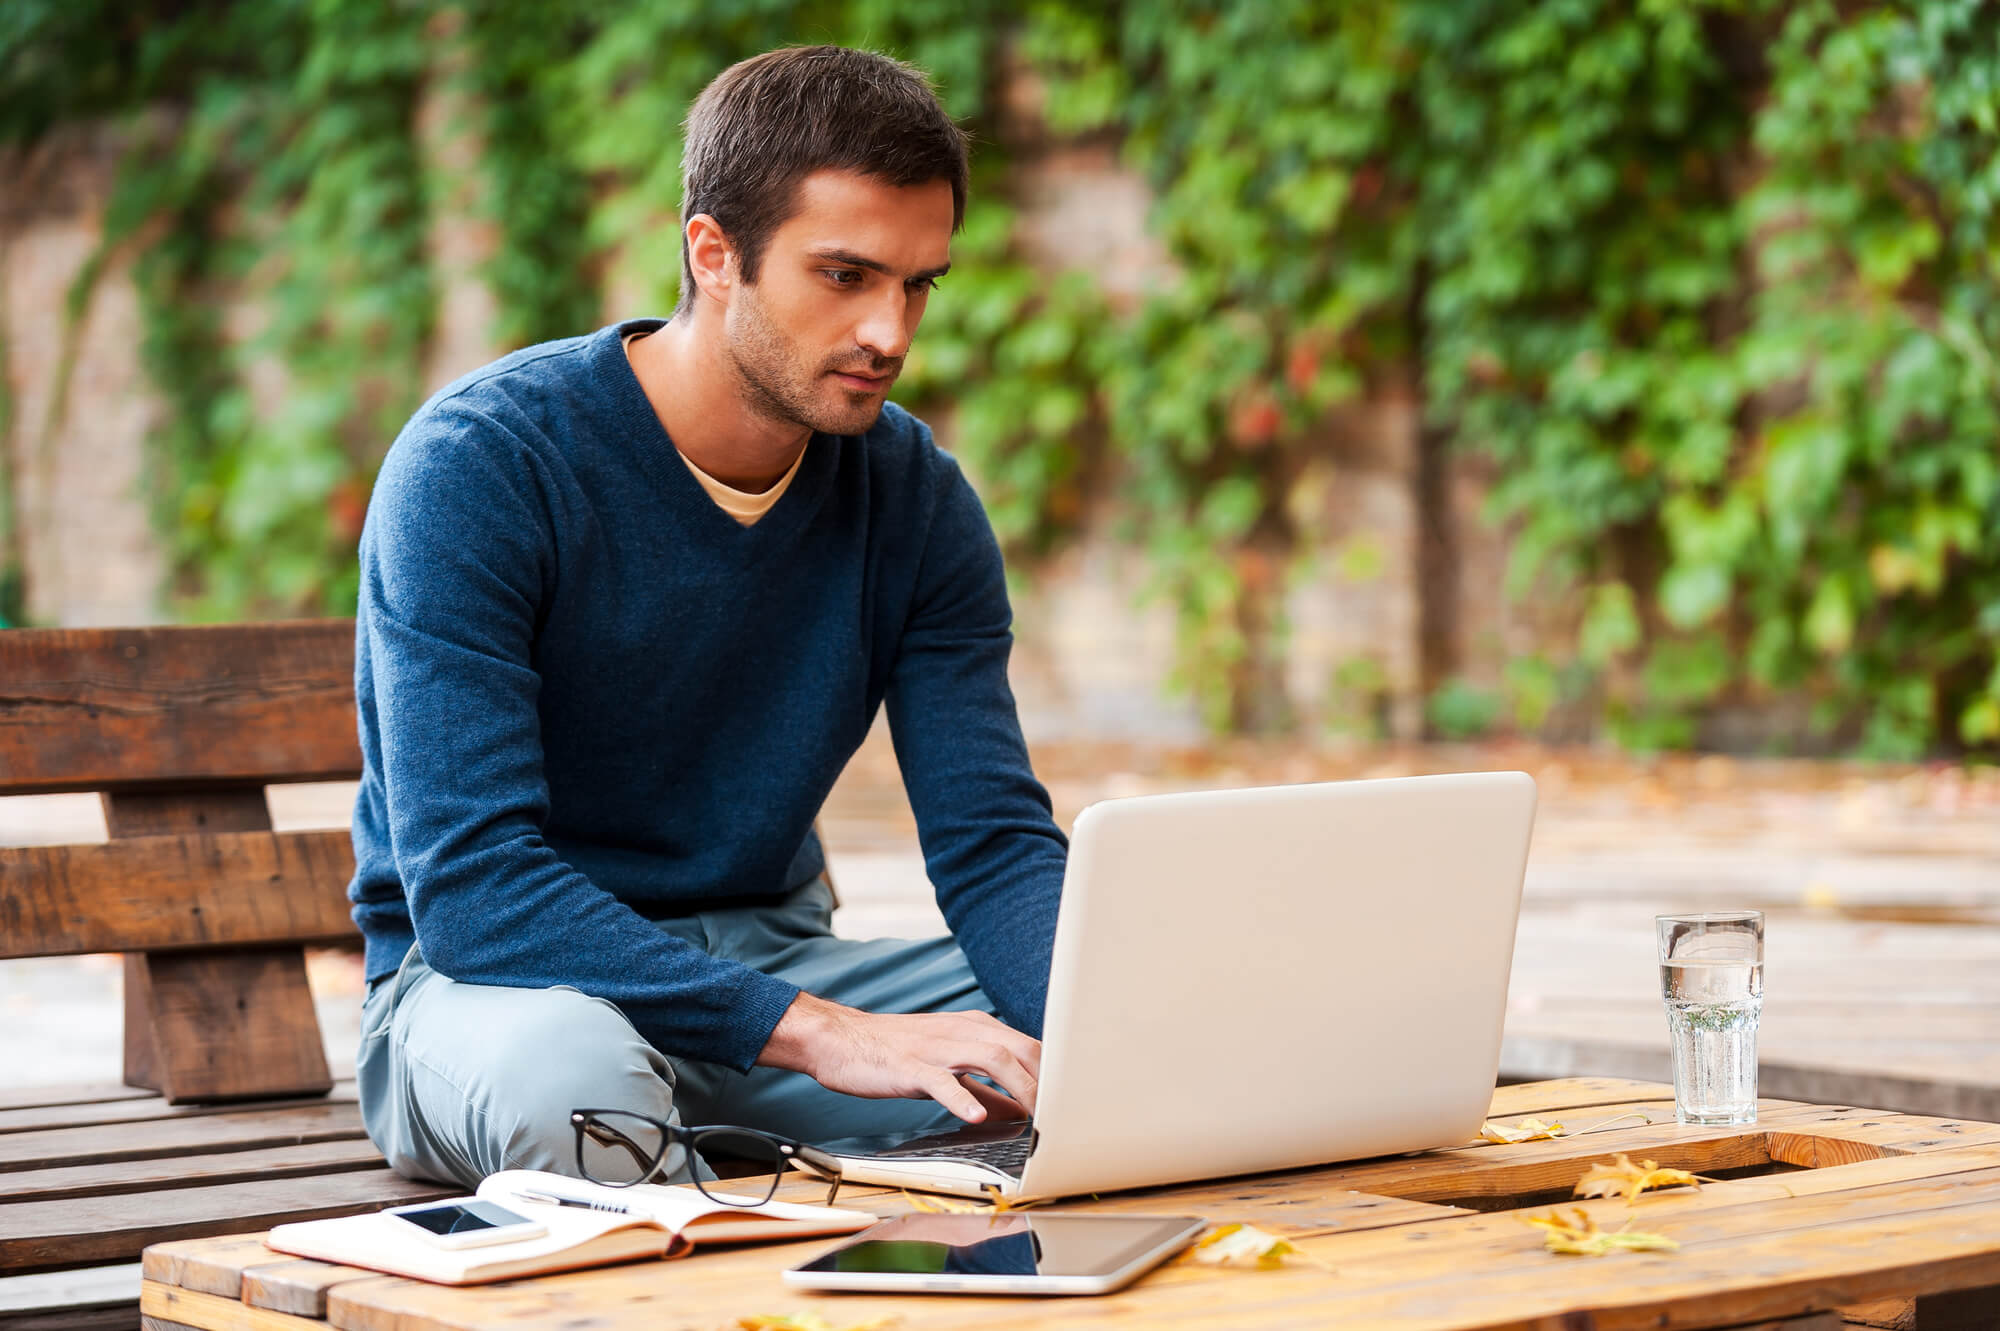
(1002, 1203)
(944, 1205)
(1534, 1130)
(1527, 1130)
(1630, 1180)
(1239, 1245)
(994, 1204)
(1582, 1238)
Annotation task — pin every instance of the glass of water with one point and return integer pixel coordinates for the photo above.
(1712, 978)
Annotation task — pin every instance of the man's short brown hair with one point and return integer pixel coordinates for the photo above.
(768, 122)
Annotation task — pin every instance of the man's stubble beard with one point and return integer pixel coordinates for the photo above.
(775, 383)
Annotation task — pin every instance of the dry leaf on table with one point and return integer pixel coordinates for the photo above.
(1534, 1130)
(994, 1204)
(1245, 1245)
(945, 1205)
(1582, 1238)
(1005, 1203)
(1527, 1130)
(807, 1322)
(1629, 1180)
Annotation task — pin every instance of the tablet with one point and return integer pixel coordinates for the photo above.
(1045, 1252)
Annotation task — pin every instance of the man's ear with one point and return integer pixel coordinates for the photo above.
(711, 258)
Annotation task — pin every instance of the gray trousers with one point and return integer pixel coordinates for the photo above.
(458, 1081)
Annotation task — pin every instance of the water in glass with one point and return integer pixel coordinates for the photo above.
(1713, 1005)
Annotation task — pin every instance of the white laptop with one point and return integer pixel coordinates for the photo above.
(1248, 980)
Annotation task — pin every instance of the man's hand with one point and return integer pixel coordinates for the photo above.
(885, 1055)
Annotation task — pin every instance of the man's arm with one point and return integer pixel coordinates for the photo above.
(991, 846)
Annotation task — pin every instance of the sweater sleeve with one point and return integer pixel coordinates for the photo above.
(990, 844)
(456, 558)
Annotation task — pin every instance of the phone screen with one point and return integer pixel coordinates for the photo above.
(463, 1217)
(1016, 1245)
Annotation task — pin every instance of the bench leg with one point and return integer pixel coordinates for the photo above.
(234, 1024)
(216, 1024)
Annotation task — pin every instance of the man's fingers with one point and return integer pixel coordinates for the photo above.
(950, 1092)
(999, 1063)
(1024, 1047)
(997, 1103)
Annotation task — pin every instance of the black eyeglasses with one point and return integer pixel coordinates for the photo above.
(640, 1141)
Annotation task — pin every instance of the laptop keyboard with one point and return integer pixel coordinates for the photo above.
(1006, 1156)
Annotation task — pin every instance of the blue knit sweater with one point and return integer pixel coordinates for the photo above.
(588, 697)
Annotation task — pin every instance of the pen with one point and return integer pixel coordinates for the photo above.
(573, 1201)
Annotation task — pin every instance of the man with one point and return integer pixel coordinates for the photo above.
(629, 603)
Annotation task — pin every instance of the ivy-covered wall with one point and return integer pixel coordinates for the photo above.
(1710, 290)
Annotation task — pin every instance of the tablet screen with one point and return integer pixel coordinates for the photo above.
(1001, 1245)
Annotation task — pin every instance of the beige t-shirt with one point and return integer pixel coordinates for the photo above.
(746, 508)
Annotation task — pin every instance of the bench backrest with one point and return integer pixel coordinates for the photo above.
(179, 730)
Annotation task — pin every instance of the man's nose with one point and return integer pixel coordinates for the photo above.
(886, 330)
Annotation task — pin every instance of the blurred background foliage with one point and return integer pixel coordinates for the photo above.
(1714, 287)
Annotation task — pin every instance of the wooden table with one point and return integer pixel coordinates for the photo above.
(1824, 1217)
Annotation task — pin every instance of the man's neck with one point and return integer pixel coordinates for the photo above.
(694, 390)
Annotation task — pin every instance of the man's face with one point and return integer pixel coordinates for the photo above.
(821, 334)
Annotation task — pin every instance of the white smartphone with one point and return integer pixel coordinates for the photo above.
(467, 1222)
(1046, 1252)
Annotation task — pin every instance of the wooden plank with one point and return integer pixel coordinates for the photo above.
(198, 1134)
(182, 1171)
(1543, 1098)
(213, 1313)
(141, 1106)
(1882, 1315)
(103, 1317)
(208, 1266)
(1491, 1175)
(234, 1024)
(1871, 1127)
(143, 894)
(103, 709)
(69, 1093)
(298, 1287)
(86, 1300)
(38, 1235)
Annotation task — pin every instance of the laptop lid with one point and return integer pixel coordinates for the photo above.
(1247, 980)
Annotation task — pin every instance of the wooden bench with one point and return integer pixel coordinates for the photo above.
(229, 1116)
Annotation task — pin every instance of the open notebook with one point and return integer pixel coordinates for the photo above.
(663, 1221)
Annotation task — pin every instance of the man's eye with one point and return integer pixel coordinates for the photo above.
(927, 283)
(844, 277)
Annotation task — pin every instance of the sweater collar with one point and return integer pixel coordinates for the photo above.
(633, 415)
